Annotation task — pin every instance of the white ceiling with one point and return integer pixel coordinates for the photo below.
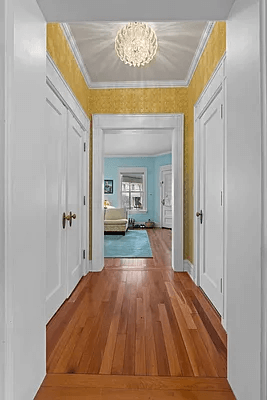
(179, 44)
(137, 10)
(137, 143)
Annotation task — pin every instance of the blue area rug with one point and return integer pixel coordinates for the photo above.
(135, 244)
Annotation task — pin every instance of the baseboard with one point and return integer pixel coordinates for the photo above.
(89, 266)
(96, 265)
(189, 267)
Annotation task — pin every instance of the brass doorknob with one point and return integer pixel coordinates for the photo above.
(71, 217)
(200, 214)
(64, 219)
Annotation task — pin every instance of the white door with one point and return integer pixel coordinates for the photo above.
(74, 202)
(211, 202)
(56, 272)
(166, 196)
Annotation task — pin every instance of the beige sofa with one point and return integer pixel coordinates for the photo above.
(116, 221)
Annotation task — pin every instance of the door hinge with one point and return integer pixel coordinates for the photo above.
(221, 111)
(221, 198)
(84, 200)
(221, 285)
(84, 146)
(84, 254)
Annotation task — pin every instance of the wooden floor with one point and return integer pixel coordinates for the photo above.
(137, 330)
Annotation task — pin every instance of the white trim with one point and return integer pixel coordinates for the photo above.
(137, 156)
(162, 168)
(213, 85)
(76, 52)
(140, 170)
(104, 122)
(201, 47)
(137, 84)
(263, 32)
(88, 265)
(211, 90)
(60, 87)
(189, 267)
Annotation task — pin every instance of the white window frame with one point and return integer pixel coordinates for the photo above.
(133, 170)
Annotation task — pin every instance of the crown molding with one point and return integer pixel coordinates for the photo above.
(137, 84)
(76, 52)
(137, 156)
(201, 47)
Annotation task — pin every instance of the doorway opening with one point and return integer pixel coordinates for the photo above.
(146, 124)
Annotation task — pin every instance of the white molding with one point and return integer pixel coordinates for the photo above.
(189, 267)
(210, 91)
(216, 83)
(201, 47)
(105, 122)
(162, 168)
(88, 266)
(165, 167)
(263, 52)
(137, 156)
(137, 84)
(60, 87)
(76, 52)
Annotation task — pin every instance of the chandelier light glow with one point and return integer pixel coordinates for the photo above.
(136, 44)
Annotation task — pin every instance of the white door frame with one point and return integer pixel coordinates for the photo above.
(102, 123)
(263, 52)
(62, 90)
(213, 87)
(162, 168)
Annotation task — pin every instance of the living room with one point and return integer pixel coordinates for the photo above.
(134, 164)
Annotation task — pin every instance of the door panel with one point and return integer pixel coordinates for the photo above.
(74, 202)
(166, 198)
(211, 196)
(56, 128)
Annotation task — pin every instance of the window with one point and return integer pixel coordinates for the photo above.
(133, 189)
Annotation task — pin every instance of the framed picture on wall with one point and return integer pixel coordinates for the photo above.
(108, 186)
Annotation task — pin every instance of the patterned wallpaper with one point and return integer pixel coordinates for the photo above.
(147, 100)
(59, 50)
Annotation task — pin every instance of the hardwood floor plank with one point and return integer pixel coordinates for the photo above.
(174, 365)
(106, 364)
(96, 359)
(129, 394)
(137, 382)
(129, 356)
(118, 359)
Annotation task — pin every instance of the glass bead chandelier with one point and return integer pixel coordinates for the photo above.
(136, 44)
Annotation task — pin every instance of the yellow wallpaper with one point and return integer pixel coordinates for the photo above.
(133, 101)
(59, 50)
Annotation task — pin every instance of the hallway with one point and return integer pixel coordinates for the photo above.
(137, 318)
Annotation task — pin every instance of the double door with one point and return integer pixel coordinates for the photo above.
(64, 202)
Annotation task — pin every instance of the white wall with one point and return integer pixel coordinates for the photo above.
(25, 198)
(244, 199)
(2, 202)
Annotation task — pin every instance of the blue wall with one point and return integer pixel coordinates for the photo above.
(153, 165)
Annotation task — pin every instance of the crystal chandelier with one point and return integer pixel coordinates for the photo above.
(136, 44)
